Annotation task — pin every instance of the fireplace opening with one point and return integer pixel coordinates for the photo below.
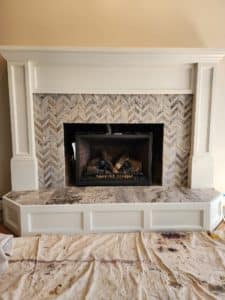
(113, 154)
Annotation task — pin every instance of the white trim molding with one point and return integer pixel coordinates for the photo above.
(110, 71)
(201, 161)
(24, 170)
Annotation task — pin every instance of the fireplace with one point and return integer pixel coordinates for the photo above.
(52, 87)
(159, 104)
(113, 154)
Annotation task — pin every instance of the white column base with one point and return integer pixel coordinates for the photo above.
(201, 170)
(24, 172)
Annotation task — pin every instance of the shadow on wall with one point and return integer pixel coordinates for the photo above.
(5, 134)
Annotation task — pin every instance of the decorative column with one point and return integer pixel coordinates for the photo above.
(24, 168)
(201, 168)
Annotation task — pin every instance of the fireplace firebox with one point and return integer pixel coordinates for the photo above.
(113, 154)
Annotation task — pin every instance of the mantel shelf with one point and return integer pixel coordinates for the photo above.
(189, 55)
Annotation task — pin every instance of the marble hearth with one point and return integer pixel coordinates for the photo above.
(92, 195)
(111, 209)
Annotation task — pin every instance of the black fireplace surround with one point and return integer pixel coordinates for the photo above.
(113, 154)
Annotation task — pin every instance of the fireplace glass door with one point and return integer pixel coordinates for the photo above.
(113, 154)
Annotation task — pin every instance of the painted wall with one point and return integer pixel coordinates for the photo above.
(162, 23)
(114, 23)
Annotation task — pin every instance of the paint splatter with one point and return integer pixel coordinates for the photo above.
(172, 249)
(173, 235)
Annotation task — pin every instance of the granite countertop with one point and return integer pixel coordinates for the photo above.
(87, 195)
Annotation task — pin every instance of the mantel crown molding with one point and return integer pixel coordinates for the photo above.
(126, 55)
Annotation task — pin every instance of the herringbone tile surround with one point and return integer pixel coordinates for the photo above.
(51, 111)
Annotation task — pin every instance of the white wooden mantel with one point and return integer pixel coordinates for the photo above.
(110, 71)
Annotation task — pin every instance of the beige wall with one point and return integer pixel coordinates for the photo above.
(162, 23)
(116, 23)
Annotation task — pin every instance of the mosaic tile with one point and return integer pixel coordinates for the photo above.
(51, 111)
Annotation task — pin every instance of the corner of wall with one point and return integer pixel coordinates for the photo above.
(5, 133)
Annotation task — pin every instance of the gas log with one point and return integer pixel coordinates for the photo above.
(125, 164)
(104, 167)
